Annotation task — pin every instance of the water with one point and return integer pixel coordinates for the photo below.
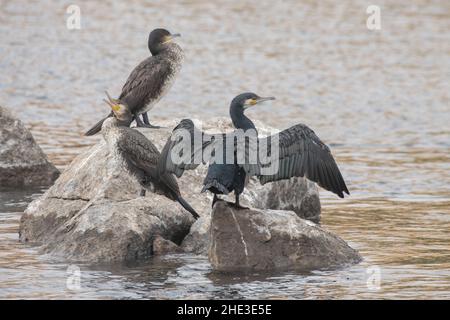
(380, 99)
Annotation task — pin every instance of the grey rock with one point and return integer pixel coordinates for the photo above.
(296, 194)
(270, 240)
(93, 213)
(197, 241)
(22, 161)
(162, 246)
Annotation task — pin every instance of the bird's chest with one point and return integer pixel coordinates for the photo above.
(166, 83)
(112, 141)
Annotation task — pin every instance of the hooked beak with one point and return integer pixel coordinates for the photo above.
(112, 102)
(171, 37)
(252, 102)
(262, 99)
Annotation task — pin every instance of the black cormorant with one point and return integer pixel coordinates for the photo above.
(140, 154)
(151, 79)
(300, 154)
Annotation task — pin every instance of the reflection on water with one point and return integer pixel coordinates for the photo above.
(380, 99)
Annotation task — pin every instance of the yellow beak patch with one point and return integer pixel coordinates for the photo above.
(167, 39)
(250, 102)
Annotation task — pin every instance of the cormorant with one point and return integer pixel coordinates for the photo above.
(140, 153)
(151, 79)
(300, 154)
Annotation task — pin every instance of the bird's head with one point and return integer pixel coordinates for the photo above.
(158, 38)
(248, 99)
(119, 108)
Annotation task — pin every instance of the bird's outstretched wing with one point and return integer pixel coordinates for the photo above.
(302, 154)
(187, 147)
(299, 152)
(147, 77)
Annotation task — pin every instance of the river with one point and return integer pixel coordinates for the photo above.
(380, 99)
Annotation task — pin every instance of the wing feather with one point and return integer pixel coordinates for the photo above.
(140, 151)
(148, 77)
(183, 138)
(300, 154)
(303, 154)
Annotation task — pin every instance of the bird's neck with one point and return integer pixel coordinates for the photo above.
(170, 50)
(240, 120)
(113, 122)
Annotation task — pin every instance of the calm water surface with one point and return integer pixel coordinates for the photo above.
(380, 99)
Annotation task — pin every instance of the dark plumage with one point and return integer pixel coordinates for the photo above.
(300, 154)
(140, 154)
(151, 79)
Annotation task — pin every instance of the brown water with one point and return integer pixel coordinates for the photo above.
(381, 99)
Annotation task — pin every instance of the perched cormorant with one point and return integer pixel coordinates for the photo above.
(300, 153)
(151, 79)
(140, 153)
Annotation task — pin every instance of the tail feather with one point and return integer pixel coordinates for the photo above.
(215, 186)
(97, 127)
(187, 206)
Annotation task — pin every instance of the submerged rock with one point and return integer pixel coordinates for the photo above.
(22, 161)
(93, 212)
(267, 240)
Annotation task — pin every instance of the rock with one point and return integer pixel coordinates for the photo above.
(162, 246)
(93, 213)
(22, 161)
(197, 241)
(76, 218)
(268, 240)
(305, 201)
(109, 231)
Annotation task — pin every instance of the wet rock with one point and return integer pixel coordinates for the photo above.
(22, 161)
(162, 246)
(267, 240)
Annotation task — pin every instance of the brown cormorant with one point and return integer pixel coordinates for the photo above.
(151, 79)
(140, 154)
(300, 153)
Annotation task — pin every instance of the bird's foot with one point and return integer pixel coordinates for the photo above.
(145, 123)
(215, 199)
(150, 126)
(239, 207)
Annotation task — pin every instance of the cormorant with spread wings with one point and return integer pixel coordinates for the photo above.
(299, 153)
